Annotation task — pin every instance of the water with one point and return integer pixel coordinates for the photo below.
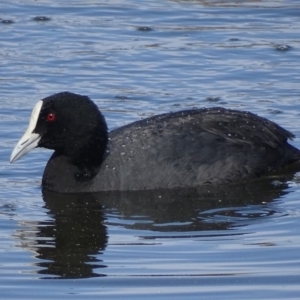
(136, 59)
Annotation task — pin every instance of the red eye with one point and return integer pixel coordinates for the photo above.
(50, 117)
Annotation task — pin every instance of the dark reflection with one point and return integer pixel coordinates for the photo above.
(73, 238)
(202, 209)
(70, 243)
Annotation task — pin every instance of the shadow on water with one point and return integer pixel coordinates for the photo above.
(71, 242)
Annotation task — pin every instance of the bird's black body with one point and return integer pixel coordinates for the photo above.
(174, 150)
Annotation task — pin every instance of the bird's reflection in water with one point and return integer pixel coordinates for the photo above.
(195, 210)
(77, 233)
(69, 245)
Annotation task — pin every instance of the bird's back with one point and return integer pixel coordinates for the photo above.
(195, 147)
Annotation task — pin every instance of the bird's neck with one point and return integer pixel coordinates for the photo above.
(89, 158)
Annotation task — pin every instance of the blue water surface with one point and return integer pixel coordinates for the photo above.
(136, 59)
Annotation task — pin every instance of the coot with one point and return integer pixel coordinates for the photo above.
(209, 146)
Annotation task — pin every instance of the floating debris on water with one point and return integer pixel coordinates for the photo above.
(121, 97)
(7, 22)
(283, 47)
(213, 99)
(41, 19)
(144, 28)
